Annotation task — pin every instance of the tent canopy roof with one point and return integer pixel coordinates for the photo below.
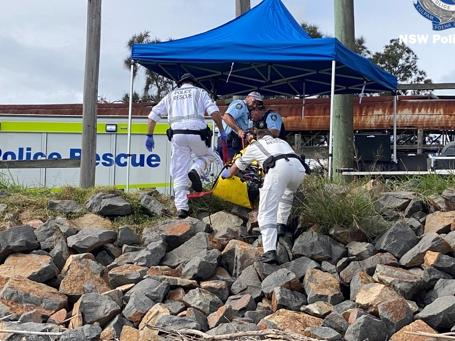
(267, 50)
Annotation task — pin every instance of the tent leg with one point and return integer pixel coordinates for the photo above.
(332, 102)
(395, 157)
(130, 114)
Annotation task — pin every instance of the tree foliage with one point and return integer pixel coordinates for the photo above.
(155, 86)
(396, 57)
(401, 61)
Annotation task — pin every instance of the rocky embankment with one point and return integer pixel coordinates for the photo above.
(81, 280)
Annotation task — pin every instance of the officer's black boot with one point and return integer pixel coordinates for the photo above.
(281, 229)
(196, 183)
(270, 257)
(182, 214)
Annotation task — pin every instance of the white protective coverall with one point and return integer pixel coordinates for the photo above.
(280, 184)
(185, 107)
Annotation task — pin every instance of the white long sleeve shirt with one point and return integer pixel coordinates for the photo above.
(185, 107)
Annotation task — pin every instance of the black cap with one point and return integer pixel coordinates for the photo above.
(186, 78)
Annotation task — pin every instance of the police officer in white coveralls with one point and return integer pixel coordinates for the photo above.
(185, 107)
(284, 173)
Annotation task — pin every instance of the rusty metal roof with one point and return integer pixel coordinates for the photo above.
(373, 113)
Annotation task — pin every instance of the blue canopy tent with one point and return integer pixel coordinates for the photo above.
(266, 50)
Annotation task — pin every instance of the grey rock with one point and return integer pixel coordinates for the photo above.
(48, 234)
(440, 314)
(175, 307)
(360, 250)
(340, 308)
(322, 286)
(176, 282)
(283, 250)
(202, 267)
(233, 327)
(60, 253)
(343, 263)
(432, 275)
(172, 323)
(199, 317)
(443, 287)
(64, 206)
(450, 238)
(318, 247)
(445, 263)
(131, 248)
(405, 282)
(368, 328)
(359, 279)
(98, 308)
(449, 197)
(282, 278)
(129, 276)
(88, 332)
(217, 287)
(395, 314)
(368, 265)
(203, 300)
(248, 278)
(226, 226)
(196, 246)
(3, 208)
(337, 322)
(330, 268)
(152, 206)
(137, 307)
(300, 266)
(429, 242)
(177, 232)
(415, 225)
(398, 240)
(150, 234)
(32, 327)
(257, 315)
(415, 206)
(90, 238)
(104, 258)
(323, 333)
(109, 205)
(151, 255)
(288, 299)
(17, 239)
(395, 200)
(241, 304)
(151, 288)
(32, 316)
(126, 235)
(66, 227)
(263, 269)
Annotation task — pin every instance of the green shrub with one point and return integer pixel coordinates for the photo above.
(329, 204)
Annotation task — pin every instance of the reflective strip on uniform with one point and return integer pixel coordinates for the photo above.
(184, 118)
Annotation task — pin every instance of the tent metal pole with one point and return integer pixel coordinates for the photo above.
(395, 157)
(130, 114)
(332, 103)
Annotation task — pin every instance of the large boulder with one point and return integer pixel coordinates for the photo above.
(196, 246)
(203, 300)
(440, 314)
(17, 239)
(367, 327)
(238, 255)
(98, 308)
(398, 240)
(318, 247)
(38, 268)
(64, 206)
(405, 282)
(109, 205)
(322, 286)
(91, 238)
(429, 242)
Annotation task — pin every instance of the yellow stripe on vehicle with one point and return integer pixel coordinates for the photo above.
(75, 127)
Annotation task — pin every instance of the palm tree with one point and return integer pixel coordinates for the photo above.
(156, 86)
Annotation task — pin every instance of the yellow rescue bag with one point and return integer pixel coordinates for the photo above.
(232, 190)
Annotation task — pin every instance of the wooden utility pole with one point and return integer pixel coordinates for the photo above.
(241, 6)
(92, 62)
(343, 141)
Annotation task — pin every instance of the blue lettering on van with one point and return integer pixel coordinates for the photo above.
(105, 159)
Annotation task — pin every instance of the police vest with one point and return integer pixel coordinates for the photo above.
(262, 124)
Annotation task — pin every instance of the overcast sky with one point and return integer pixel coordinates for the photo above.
(43, 41)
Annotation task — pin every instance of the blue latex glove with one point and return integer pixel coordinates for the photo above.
(226, 173)
(149, 143)
(223, 136)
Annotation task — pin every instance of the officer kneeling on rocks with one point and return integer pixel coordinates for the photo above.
(189, 134)
(284, 172)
